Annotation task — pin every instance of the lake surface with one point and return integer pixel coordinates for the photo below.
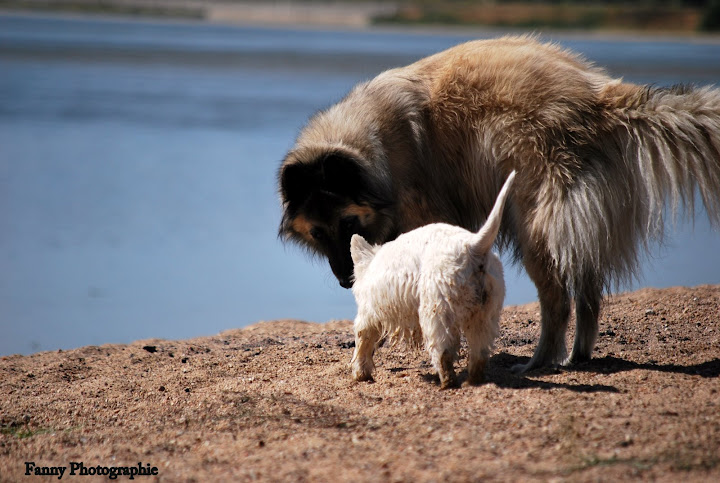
(138, 163)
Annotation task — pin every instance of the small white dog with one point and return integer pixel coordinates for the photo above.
(434, 282)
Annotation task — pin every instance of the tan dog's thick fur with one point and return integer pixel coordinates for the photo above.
(435, 282)
(597, 161)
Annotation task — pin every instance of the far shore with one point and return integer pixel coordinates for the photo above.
(345, 17)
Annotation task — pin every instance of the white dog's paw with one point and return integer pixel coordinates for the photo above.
(363, 377)
(362, 373)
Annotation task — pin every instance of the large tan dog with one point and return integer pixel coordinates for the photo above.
(597, 160)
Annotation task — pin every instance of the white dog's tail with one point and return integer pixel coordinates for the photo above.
(485, 238)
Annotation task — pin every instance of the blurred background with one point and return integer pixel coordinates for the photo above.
(139, 143)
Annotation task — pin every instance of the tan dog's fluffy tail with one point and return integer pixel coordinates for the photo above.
(486, 236)
(674, 133)
(661, 147)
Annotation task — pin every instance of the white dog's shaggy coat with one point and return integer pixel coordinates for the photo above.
(437, 281)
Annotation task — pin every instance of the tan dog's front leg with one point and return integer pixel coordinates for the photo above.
(362, 362)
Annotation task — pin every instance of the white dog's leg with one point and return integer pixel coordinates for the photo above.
(445, 368)
(479, 337)
(362, 364)
(442, 338)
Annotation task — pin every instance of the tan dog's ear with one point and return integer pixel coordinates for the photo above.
(360, 250)
(298, 181)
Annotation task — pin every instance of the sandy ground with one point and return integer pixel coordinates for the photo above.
(274, 402)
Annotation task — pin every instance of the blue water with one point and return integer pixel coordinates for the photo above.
(138, 162)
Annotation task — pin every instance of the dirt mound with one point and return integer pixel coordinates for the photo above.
(275, 402)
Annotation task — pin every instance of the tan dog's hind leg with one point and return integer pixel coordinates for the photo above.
(587, 309)
(554, 317)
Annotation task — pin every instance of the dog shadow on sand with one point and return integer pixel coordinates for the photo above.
(498, 372)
